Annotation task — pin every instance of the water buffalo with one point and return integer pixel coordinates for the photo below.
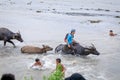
(6, 35)
(32, 49)
(78, 49)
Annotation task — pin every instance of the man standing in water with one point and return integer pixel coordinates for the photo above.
(59, 72)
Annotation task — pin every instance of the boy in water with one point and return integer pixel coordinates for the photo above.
(59, 72)
(60, 66)
(37, 63)
(69, 39)
(111, 33)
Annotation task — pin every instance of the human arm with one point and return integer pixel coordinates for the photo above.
(63, 69)
(74, 41)
(68, 40)
(68, 44)
(37, 64)
(40, 64)
(32, 65)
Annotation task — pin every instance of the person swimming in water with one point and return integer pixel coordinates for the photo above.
(37, 63)
(111, 33)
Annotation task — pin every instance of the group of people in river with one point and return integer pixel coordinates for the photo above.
(59, 72)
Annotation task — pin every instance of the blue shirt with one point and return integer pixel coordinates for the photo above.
(70, 38)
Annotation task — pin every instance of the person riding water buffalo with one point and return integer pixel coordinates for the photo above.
(69, 39)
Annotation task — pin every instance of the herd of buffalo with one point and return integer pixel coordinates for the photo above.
(6, 35)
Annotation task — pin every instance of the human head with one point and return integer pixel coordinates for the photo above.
(111, 30)
(75, 76)
(73, 31)
(8, 76)
(58, 60)
(36, 60)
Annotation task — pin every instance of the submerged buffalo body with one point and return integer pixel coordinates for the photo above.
(33, 49)
(6, 35)
(78, 49)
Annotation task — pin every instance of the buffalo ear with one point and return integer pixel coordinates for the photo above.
(15, 35)
(18, 31)
(92, 45)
